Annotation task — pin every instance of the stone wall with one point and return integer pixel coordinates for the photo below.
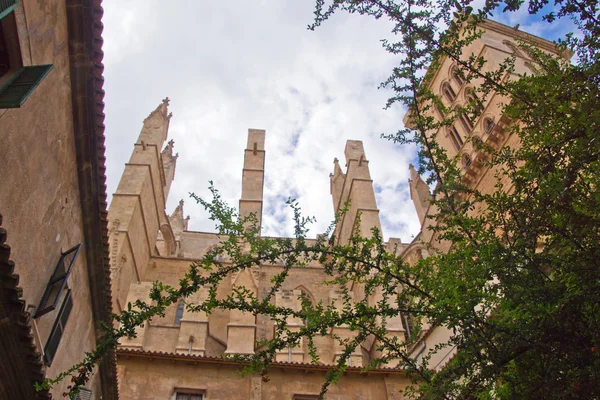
(39, 198)
(158, 378)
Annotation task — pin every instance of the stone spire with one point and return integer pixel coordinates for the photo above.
(156, 125)
(357, 188)
(253, 175)
(179, 224)
(178, 221)
(419, 193)
(169, 161)
(336, 184)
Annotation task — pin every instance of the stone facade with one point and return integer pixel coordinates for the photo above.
(52, 196)
(183, 352)
(146, 245)
(496, 44)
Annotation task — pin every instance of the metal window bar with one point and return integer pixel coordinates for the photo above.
(84, 394)
(58, 281)
(489, 125)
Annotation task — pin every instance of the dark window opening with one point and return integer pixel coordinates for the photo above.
(456, 139)
(488, 125)
(179, 312)
(10, 50)
(17, 82)
(466, 123)
(448, 92)
(466, 160)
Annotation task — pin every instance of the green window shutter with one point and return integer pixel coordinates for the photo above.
(22, 84)
(6, 6)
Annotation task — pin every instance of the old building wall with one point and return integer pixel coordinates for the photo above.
(496, 44)
(39, 199)
(144, 378)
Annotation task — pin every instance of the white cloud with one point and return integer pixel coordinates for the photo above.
(230, 66)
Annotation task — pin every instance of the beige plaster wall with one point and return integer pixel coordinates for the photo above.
(39, 195)
(159, 379)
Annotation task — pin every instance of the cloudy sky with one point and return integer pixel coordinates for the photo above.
(232, 65)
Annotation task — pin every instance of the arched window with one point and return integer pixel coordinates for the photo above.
(306, 294)
(466, 161)
(455, 138)
(448, 92)
(475, 102)
(488, 125)
(456, 76)
(179, 312)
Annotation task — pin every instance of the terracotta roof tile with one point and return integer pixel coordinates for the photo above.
(122, 352)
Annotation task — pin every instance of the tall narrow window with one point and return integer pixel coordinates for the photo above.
(179, 312)
(488, 125)
(466, 161)
(455, 137)
(448, 92)
(439, 111)
(466, 122)
(476, 103)
(58, 329)
(407, 325)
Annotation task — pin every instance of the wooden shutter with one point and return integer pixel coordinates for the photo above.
(22, 84)
(58, 281)
(6, 6)
(58, 329)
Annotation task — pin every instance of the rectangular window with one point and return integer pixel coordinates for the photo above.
(58, 281)
(84, 394)
(20, 86)
(189, 396)
(58, 329)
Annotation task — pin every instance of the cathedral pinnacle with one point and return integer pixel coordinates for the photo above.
(337, 170)
(168, 151)
(162, 110)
